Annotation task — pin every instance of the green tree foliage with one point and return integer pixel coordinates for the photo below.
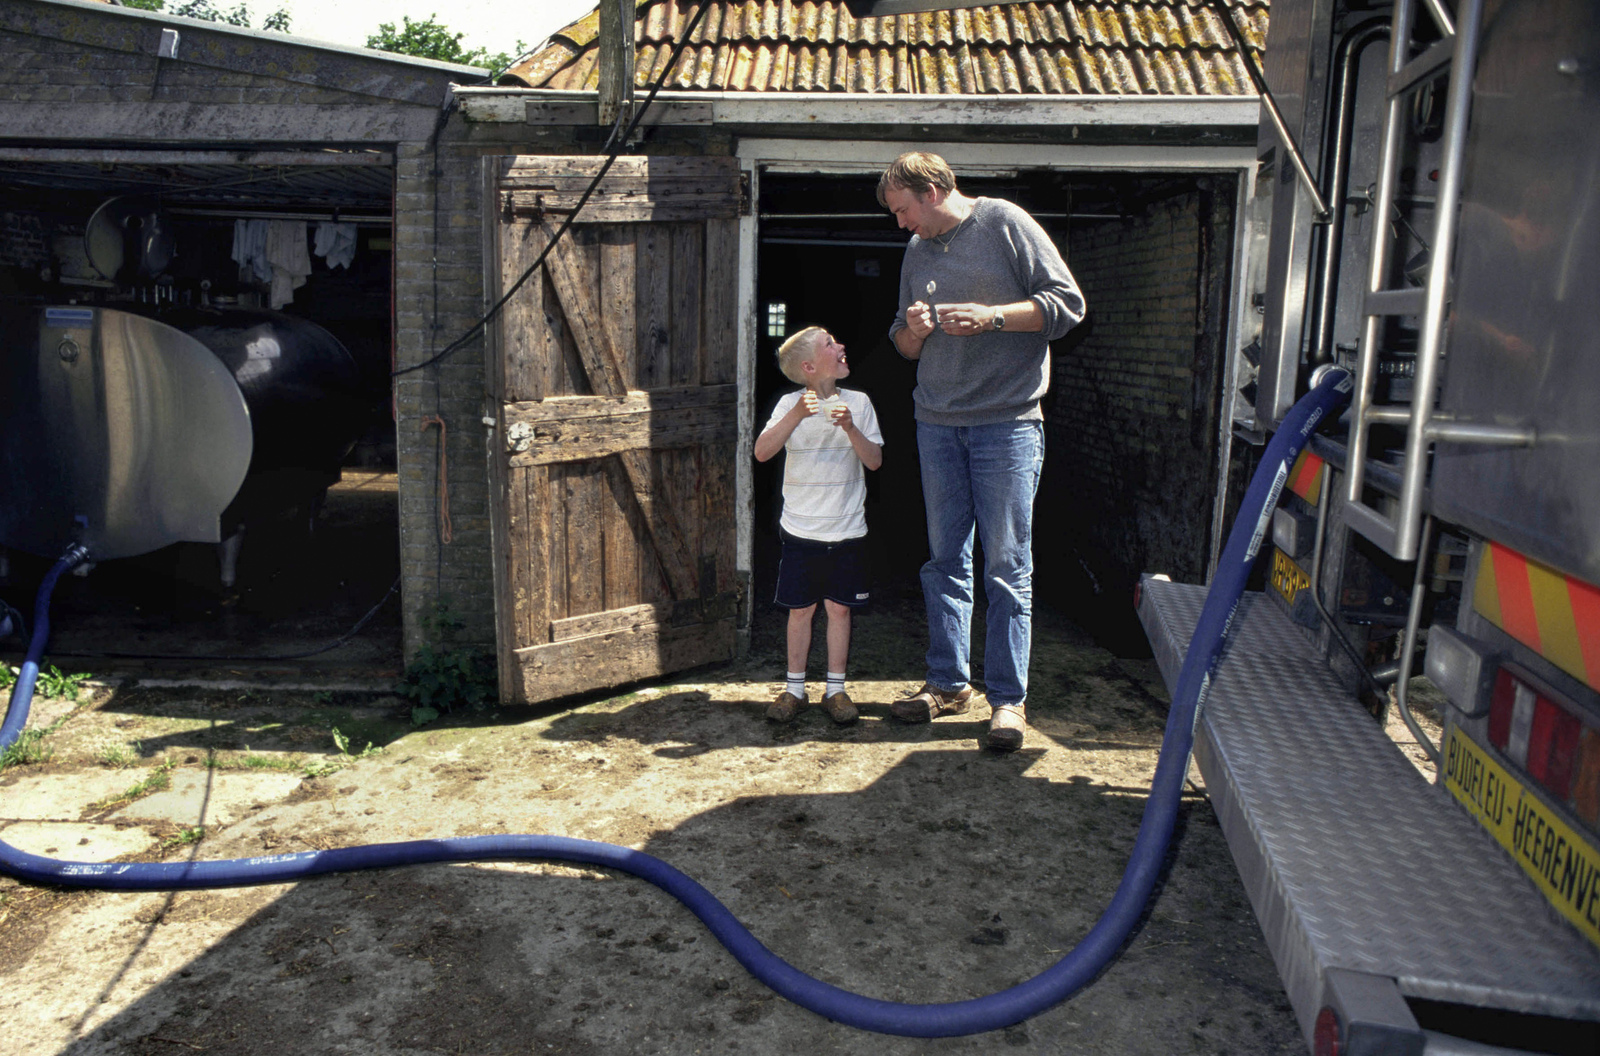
(431, 39)
(204, 10)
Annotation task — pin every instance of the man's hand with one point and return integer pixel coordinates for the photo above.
(964, 320)
(919, 320)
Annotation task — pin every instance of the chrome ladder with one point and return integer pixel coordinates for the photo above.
(1398, 532)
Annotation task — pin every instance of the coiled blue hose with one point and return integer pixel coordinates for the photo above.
(993, 1012)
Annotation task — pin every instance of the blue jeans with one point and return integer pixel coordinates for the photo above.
(982, 476)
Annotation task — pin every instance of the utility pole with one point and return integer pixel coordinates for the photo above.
(616, 59)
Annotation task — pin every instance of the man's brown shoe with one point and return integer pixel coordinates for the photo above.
(840, 708)
(929, 702)
(785, 708)
(1007, 724)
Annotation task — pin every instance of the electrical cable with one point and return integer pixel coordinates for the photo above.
(613, 148)
(993, 1012)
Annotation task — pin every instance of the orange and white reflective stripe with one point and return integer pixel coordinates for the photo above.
(1305, 479)
(1555, 615)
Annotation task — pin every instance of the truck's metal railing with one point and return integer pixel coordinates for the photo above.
(1408, 648)
(1297, 159)
(1397, 533)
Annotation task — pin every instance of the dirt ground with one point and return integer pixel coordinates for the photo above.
(902, 862)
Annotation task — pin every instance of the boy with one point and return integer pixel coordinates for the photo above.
(830, 434)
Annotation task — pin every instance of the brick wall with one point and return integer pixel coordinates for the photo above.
(437, 281)
(1131, 422)
(24, 239)
(438, 297)
(44, 70)
(41, 70)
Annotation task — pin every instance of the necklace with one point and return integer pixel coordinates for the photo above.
(954, 231)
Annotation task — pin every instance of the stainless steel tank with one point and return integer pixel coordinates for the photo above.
(306, 399)
(116, 430)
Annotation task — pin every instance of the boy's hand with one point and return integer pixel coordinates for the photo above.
(807, 405)
(920, 320)
(840, 414)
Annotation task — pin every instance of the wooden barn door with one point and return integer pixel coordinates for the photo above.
(614, 371)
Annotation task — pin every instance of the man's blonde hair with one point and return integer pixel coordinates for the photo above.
(796, 349)
(917, 171)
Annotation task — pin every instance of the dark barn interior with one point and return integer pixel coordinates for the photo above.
(304, 575)
(1131, 419)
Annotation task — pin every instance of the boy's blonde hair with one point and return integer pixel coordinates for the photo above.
(798, 348)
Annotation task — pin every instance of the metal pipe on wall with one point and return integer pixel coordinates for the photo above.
(1325, 283)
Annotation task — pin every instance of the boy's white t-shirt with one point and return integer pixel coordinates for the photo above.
(824, 483)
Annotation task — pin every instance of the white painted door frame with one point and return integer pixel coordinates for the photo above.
(858, 158)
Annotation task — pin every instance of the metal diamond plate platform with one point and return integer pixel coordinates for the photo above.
(1351, 859)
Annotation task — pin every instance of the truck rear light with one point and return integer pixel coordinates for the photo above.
(1462, 667)
(1293, 532)
(1325, 1035)
(1552, 743)
(1537, 732)
(1586, 789)
(1502, 707)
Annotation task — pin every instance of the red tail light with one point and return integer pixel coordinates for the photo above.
(1325, 1035)
(1547, 739)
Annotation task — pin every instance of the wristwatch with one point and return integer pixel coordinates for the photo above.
(999, 321)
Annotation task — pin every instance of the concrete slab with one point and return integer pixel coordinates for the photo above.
(210, 797)
(43, 711)
(62, 797)
(76, 841)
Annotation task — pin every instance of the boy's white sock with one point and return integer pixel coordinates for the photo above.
(835, 684)
(797, 684)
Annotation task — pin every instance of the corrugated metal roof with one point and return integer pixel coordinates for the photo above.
(1065, 47)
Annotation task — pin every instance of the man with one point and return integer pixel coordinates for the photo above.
(983, 292)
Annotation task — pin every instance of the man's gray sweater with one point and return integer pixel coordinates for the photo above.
(999, 255)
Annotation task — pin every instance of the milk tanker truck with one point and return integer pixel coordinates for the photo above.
(1425, 215)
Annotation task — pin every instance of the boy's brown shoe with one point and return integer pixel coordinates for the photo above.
(840, 708)
(785, 708)
(929, 702)
(1007, 724)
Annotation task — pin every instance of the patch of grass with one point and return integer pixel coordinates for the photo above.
(156, 782)
(343, 759)
(184, 837)
(8, 676)
(27, 749)
(117, 756)
(53, 682)
(341, 742)
(254, 762)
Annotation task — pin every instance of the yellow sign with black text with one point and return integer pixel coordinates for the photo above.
(1288, 578)
(1564, 865)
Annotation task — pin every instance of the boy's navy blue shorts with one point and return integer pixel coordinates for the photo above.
(810, 570)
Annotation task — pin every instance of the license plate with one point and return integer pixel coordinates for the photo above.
(1288, 578)
(1565, 867)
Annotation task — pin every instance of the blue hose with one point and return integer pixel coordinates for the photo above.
(1002, 1009)
(22, 690)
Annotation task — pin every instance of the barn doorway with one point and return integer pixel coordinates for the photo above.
(1132, 431)
(318, 552)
